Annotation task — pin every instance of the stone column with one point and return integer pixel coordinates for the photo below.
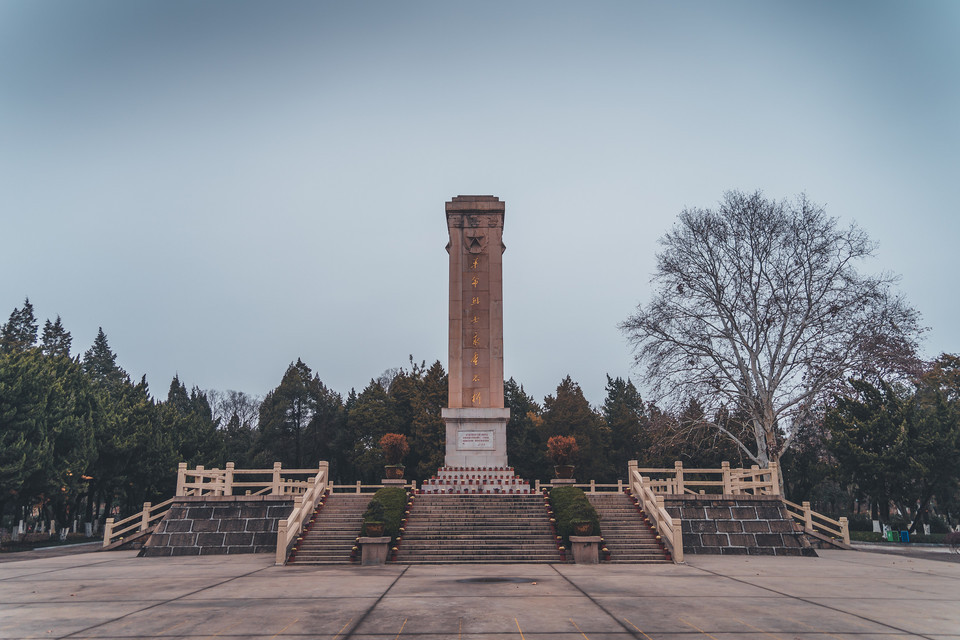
(476, 420)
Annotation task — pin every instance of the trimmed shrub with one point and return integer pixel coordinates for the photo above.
(386, 506)
(570, 505)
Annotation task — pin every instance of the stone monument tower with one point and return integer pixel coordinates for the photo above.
(476, 420)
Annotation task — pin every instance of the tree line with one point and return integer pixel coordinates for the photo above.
(79, 437)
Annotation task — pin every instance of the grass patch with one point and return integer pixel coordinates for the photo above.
(872, 536)
(570, 505)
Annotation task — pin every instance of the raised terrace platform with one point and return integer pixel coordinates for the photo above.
(479, 480)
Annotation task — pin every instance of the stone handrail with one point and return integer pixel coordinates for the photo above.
(588, 487)
(725, 480)
(227, 482)
(116, 531)
(365, 488)
(666, 525)
(303, 507)
(815, 522)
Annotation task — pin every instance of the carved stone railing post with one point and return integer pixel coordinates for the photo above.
(774, 478)
(276, 488)
(107, 531)
(678, 470)
(725, 470)
(807, 516)
(145, 517)
(181, 479)
(228, 480)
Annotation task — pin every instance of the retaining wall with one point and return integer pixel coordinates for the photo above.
(210, 525)
(737, 525)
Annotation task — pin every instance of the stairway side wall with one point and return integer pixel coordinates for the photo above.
(737, 525)
(216, 525)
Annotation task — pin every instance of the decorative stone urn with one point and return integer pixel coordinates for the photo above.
(563, 471)
(394, 471)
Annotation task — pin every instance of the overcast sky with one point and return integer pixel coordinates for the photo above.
(227, 186)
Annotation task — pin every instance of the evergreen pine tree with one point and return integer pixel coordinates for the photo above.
(100, 363)
(56, 340)
(569, 414)
(20, 331)
(526, 445)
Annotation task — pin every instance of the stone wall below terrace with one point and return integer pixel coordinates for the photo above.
(210, 525)
(737, 525)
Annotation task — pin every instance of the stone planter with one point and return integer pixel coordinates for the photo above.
(394, 472)
(582, 528)
(563, 471)
(373, 550)
(374, 529)
(585, 549)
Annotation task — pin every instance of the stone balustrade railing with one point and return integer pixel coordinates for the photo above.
(667, 527)
(817, 522)
(303, 506)
(231, 481)
(117, 531)
(725, 480)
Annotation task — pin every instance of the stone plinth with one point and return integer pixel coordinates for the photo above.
(476, 437)
(737, 525)
(563, 481)
(373, 551)
(207, 525)
(479, 480)
(586, 549)
(393, 482)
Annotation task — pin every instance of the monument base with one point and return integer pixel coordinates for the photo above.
(476, 437)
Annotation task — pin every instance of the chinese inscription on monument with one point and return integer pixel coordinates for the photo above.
(475, 225)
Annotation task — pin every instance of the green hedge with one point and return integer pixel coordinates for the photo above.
(569, 505)
(872, 536)
(387, 506)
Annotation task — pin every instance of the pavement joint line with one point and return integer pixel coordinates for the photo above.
(578, 628)
(81, 632)
(747, 624)
(594, 601)
(38, 573)
(814, 603)
(284, 629)
(375, 603)
(929, 573)
(342, 628)
(401, 628)
(804, 624)
(638, 629)
(689, 624)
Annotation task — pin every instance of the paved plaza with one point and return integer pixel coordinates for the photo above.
(842, 594)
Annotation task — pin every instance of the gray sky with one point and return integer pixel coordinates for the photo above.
(227, 186)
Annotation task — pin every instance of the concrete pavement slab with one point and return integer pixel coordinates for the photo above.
(843, 594)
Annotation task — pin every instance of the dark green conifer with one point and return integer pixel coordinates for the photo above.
(20, 331)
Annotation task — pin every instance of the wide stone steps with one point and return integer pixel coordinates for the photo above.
(478, 530)
(330, 537)
(625, 533)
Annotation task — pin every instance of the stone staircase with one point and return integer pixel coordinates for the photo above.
(488, 528)
(625, 533)
(332, 531)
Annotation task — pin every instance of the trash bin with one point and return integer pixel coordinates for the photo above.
(891, 536)
(904, 536)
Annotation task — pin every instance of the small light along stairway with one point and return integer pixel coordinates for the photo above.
(332, 531)
(626, 534)
(478, 528)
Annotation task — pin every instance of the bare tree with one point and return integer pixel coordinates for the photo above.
(226, 404)
(758, 307)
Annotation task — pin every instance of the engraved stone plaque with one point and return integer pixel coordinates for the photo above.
(475, 440)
